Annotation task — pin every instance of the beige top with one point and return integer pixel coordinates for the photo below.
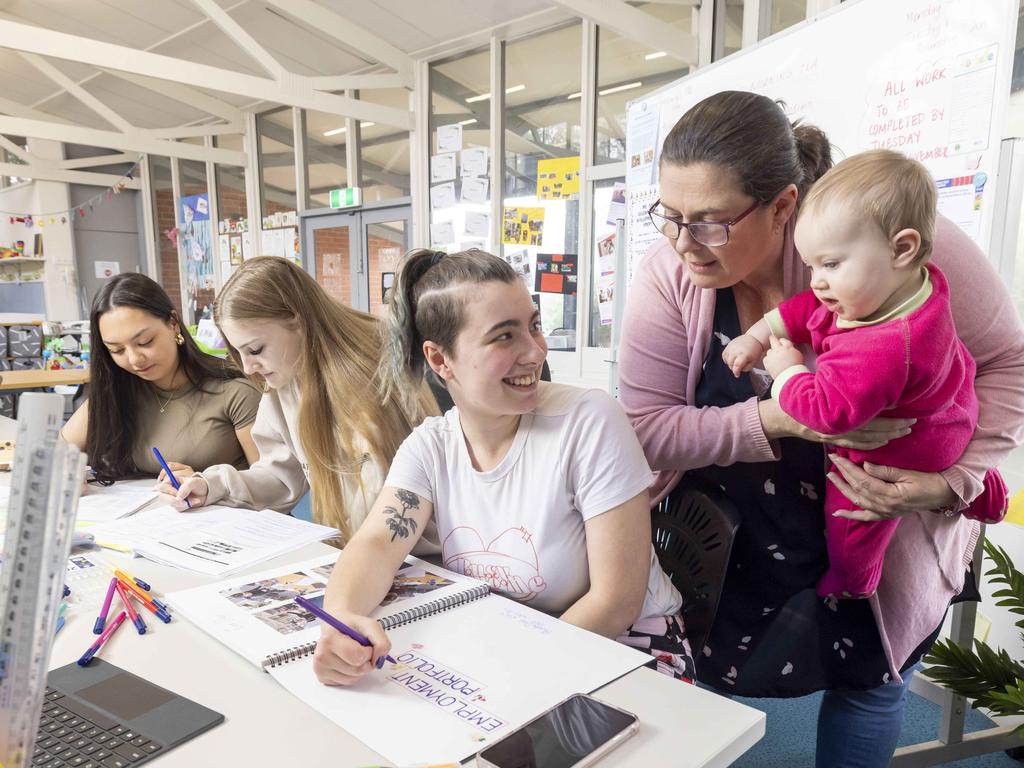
(281, 476)
(196, 428)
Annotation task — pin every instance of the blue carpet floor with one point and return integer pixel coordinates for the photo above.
(789, 738)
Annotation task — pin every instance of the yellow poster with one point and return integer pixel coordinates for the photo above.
(558, 178)
(522, 226)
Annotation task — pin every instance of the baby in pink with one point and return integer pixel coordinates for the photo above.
(878, 319)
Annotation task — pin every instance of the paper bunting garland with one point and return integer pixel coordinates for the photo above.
(78, 211)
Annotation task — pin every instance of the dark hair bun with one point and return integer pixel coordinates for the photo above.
(815, 153)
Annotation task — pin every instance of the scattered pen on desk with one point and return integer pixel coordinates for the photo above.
(87, 656)
(140, 625)
(324, 616)
(60, 624)
(170, 475)
(127, 578)
(97, 628)
(149, 603)
(67, 591)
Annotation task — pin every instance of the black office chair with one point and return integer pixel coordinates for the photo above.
(444, 400)
(693, 529)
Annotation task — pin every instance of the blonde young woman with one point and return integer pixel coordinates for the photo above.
(320, 424)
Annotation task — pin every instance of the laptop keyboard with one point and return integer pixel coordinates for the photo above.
(74, 736)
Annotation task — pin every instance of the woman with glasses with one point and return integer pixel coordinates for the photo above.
(733, 170)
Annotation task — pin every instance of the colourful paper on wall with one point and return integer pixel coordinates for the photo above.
(556, 273)
(558, 178)
(522, 226)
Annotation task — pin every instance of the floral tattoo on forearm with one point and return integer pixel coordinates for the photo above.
(398, 522)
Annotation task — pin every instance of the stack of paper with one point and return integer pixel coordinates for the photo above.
(214, 540)
(100, 504)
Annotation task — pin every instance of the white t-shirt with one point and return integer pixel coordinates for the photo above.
(520, 525)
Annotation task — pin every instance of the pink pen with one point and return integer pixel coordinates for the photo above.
(87, 656)
(97, 628)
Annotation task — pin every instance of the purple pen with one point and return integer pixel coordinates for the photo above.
(97, 628)
(323, 615)
(87, 656)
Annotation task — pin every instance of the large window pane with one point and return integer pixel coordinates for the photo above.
(542, 136)
(384, 155)
(232, 209)
(460, 155)
(277, 161)
(163, 214)
(326, 139)
(786, 13)
(626, 70)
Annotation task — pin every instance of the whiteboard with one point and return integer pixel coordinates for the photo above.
(929, 78)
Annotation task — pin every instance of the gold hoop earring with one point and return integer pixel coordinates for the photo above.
(179, 339)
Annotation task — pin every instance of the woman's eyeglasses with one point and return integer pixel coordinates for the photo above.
(711, 233)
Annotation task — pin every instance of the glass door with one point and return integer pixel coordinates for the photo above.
(385, 238)
(331, 252)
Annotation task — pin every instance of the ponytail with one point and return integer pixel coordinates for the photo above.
(425, 305)
(815, 153)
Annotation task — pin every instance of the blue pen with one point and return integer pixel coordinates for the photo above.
(170, 475)
(345, 629)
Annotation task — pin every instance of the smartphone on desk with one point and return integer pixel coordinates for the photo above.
(575, 733)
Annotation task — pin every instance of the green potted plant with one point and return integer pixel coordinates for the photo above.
(989, 678)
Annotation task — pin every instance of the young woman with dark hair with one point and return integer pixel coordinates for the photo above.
(150, 385)
(552, 476)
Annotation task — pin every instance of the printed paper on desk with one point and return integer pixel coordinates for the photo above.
(464, 678)
(474, 161)
(474, 190)
(99, 504)
(449, 138)
(213, 540)
(442, 167)
(442, 196)
(442, 233)
(477, 224)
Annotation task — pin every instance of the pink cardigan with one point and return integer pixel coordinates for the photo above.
(666, 334)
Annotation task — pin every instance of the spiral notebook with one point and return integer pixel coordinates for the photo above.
(257, 615)
(471, 665)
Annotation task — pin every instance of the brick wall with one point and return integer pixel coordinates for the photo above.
(331, 249)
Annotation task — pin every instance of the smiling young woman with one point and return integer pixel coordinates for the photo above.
(538, 488)
(150, 385)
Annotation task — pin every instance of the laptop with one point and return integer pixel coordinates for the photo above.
(101, 716)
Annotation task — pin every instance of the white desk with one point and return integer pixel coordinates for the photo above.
(681, 725)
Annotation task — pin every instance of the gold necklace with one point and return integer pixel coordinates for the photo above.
(163, 406)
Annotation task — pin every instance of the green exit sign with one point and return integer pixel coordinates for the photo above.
(346, 198)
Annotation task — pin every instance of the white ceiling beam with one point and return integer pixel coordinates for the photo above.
(78, 92)
(243, 39)
(194, 131)
(52, 173)
(634, 24)
(292, 90)
(92, 162)
(17, 109)
(351, 35)
(184, 94)
(356, 82)
(19, 152)
(137, 141)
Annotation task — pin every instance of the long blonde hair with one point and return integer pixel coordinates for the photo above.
(340, 357)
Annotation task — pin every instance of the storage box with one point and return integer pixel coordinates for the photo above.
(24, 341)
(26, 363)
(7, 406)
(4, 365)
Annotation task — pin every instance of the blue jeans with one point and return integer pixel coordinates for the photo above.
(859, 729)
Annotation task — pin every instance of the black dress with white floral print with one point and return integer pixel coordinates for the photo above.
(773, 636)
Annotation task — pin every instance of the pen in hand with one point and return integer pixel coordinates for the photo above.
(325, 617)
(170, 475)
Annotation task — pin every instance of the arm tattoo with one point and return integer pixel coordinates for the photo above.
(397, 522)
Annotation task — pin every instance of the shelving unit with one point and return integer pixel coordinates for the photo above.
(19, 263)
